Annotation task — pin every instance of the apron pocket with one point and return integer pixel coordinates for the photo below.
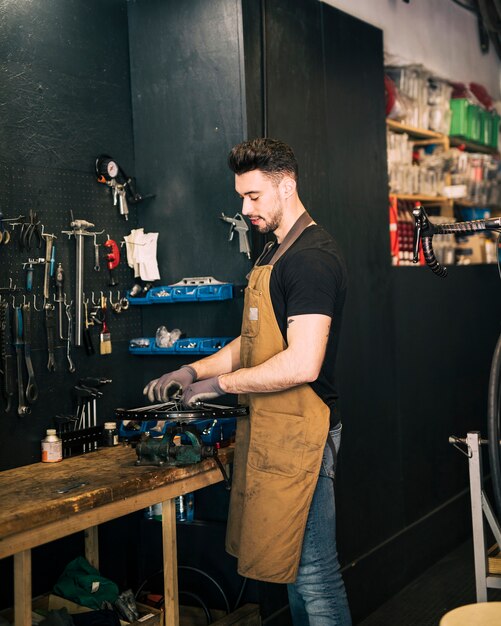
(277, 442)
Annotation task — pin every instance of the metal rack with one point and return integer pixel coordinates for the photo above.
(481, 512)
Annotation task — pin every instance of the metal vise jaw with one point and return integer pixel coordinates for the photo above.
(165, 452)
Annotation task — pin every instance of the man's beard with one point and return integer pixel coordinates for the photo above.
(274, 221)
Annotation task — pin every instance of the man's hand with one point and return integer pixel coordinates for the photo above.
(163, 388)
(204, 390)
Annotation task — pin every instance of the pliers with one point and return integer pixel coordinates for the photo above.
(31, 233)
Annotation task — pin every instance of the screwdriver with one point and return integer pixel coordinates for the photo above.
(59, 280)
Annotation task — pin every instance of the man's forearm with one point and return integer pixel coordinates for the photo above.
(225, 360)
(283, 371)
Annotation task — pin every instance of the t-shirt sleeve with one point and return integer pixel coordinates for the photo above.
(312, 280)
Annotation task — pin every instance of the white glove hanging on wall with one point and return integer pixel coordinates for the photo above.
(146, 256)
(131, 244)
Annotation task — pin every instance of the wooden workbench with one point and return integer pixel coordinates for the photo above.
(34, 513)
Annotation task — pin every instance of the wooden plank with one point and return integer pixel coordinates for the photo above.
(92, 546)
(246, 615)
(76, 522)
(398, 127)
(171, 599)
(109, 476)
(22, 588)
(421, 198)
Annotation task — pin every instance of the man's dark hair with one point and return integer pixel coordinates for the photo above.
(272, 157)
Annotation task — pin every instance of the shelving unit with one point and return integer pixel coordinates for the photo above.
(423, 137)
(472, 146)
(420, 133)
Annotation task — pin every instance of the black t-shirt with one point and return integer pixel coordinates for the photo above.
(311, 278)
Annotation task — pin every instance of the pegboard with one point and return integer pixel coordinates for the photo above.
(53, 195)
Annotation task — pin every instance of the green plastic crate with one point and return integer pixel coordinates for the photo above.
(459, 120)
(486, 121)
(494, 136)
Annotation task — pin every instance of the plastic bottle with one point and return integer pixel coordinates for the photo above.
(185, 508)
(110, 434)
(52, 447)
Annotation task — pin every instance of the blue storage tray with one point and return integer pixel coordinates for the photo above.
(143, 349)
(190, 345)
(209, 346)
(215, 292)
(160, 295)
(139, 299)
(169, 294)
(158, 350)
(186, 293)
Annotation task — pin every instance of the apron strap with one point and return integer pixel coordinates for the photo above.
(302, 222)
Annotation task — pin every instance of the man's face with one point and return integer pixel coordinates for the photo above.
(262, 200)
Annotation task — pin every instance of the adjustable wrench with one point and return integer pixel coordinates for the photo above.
(31, 386)
(50, 327)
(22, 409)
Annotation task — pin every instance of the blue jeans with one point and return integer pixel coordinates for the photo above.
(318, 597)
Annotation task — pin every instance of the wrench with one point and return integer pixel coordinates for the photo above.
(22, 408)
(31, 392)
(68, 339)
(97, 267)
(50, 326)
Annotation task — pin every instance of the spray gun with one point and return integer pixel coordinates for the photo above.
(113, 258)
(240, 225)
(110, 173)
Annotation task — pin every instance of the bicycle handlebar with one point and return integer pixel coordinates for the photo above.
(424, 231)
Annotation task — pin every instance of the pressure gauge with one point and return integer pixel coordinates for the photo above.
(106, 167)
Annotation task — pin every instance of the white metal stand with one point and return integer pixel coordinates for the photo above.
(480, 508)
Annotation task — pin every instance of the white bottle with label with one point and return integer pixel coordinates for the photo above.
(52, 447)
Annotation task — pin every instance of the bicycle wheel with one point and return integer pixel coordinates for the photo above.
(493, 427)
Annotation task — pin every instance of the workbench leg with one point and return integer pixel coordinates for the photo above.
(92, 546)
(169, 542)
(22, 588)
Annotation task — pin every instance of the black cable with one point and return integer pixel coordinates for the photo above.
(193, 569)
(199, 571)
(240, 594)
(206, 610)
(497, 253)
(493, 425)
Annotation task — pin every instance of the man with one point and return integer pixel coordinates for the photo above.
(281, 525)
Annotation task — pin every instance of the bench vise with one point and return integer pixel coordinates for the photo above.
(168, 451)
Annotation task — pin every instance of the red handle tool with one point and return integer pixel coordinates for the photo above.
(113, 259)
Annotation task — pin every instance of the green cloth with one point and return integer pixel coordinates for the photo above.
(83, 584)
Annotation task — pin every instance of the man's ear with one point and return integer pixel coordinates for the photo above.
(288, 186)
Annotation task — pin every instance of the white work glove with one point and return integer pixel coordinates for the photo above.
(130, 246)
(207, 389)
(146, 257)
(163, 388)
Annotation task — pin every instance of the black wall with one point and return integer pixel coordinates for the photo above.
(65, 95)
(65, 99)
(187, 96)
(404, 364)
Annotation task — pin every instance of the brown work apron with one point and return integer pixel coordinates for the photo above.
(278, 448)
